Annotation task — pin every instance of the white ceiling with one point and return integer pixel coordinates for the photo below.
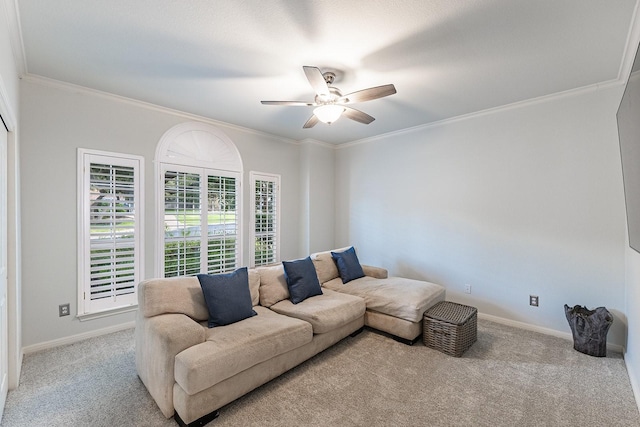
(219, 59)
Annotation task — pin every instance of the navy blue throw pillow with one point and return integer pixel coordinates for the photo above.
(302, 279)
(348, 265)
(227, 297)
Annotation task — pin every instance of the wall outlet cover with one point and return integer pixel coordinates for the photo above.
(64, 310)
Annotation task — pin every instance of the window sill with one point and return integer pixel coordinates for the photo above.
(107, 313)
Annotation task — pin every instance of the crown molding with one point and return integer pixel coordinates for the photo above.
(317, 142)
(15, 36)
(70, 87)
(489, 111)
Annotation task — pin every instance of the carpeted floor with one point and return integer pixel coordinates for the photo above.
(510, 377)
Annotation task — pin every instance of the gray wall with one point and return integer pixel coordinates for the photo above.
(56, 121)
(317, 196)
(521, 201)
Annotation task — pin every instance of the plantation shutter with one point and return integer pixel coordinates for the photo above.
(223, 224)
(111, 233)
(265, 218)
(182, 223)
(201, 221)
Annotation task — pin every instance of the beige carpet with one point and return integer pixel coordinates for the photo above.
(510, 377)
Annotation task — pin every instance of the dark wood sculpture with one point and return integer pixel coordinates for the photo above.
(589, 329)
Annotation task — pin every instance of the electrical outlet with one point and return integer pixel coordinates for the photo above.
(63, 310)
(467, 289)
(533, 300)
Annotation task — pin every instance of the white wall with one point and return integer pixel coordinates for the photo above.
(56, 120)
(520, 201)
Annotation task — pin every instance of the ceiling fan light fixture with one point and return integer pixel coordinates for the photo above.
(329, 113)
(329, 101)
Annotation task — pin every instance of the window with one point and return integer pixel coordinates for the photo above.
(110, 230)
(201, 221)
(199, 215)
(265, 218)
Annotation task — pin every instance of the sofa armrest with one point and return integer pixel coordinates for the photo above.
(377, 272)
(158, 340)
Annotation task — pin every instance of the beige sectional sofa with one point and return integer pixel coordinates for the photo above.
(191, 370)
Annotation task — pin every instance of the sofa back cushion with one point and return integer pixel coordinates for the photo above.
(273, 285)
(183, 295)
(325, 265)
(172, 295)
(254, 286)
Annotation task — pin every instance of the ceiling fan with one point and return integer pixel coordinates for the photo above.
(330, 103)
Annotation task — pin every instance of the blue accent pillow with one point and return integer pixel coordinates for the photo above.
(302, 279)
(348, 265)
(227, 297)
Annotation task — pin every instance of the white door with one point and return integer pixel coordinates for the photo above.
(4, 341)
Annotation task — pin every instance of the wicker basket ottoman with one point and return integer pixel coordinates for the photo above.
(450, 327)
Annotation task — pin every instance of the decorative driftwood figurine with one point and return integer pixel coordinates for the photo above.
(589, 329)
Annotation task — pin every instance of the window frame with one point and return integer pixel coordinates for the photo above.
(268, 177)
(205, 173)
(86, 308)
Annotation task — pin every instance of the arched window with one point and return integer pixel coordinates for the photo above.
(199, 173)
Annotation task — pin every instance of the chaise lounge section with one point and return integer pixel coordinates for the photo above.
(192, 370)
(395, 305)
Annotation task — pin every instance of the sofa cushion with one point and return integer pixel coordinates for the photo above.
(302, 280)
(254, 286)
(325, 265)
(273, 285)
(325, 312)
(396, 296)
(233, 348)
(377, 272)
(348, 265)
(182, 295)
(227, 296)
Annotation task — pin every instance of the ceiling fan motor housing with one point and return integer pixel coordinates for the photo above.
(334, 95)
(329, 77)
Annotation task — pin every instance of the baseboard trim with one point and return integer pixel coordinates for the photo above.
(76, 338)
(535, 328)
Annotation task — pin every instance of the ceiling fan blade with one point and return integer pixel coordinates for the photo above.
(313, 120)
(368, 94)
(296, 103)
(316, 79)
(357, 115)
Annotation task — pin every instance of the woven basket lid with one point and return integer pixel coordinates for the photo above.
(451, 312)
